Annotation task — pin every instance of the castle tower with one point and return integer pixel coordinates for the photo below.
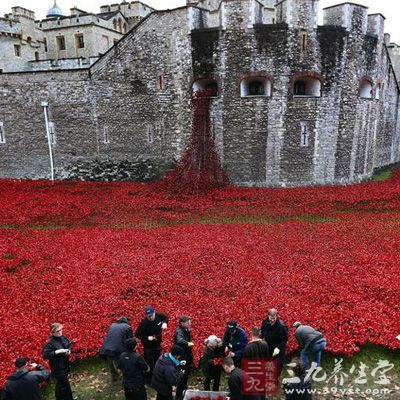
(301, 14)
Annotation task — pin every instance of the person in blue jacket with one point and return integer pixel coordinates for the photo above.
(235, 340)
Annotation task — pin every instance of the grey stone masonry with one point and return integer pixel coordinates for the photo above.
(294, 104)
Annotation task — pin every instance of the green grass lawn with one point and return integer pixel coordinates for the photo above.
(90, 380)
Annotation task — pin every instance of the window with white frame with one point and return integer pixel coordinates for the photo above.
(304, 135)
(2, 137)
(52, 133)
(106, 136)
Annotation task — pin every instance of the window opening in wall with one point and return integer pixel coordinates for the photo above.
(255, 86)
(29, 39)
(2, 137)
(304, 134)
(273, 20)
(106, 137)
(115, 24)
(307, 86)
(300, 88)
(79, 40)
(52, 133)
(203, 84)
(303, 41)
(36, 56)
(45, 44)
(61, 42)
(160, 82)
(17, 50)
(150, 135)
(365, 89)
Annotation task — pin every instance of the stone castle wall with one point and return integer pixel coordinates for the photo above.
(129, 114)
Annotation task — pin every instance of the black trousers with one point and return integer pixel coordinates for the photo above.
(215, 376)
(135, 394)
(151, 356)
(63, 388)
(182, 385)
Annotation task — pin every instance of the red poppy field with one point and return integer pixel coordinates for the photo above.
(86, 253)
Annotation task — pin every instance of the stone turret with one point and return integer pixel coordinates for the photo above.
(351, 16)
(301, 14)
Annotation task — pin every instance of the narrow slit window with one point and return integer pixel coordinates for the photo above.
(106, 136)
(160, 82)
(2, 137)
(150, 134)
(304, 135)
(303, 41)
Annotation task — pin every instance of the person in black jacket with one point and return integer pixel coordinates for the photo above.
(57, 350)
(256, 349)
(168, 373)
(133, 367)
(235, 340)
(297, 387)
(211, 362)
(275, 333)
(24, 383)
(150, 331)
(114, 344)
(235, 380)
(183, 338)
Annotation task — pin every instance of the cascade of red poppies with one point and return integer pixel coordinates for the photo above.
(199, 169)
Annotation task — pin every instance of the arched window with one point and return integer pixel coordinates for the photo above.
(203, 84)
(36, 56)
(115, 24)
(365, 89)
(125, 29)
(255, 86)
(119, 25)
(307, 86)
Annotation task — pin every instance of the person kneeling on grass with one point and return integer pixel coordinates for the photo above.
(168, 372)
(133, 368)
(297, 387)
